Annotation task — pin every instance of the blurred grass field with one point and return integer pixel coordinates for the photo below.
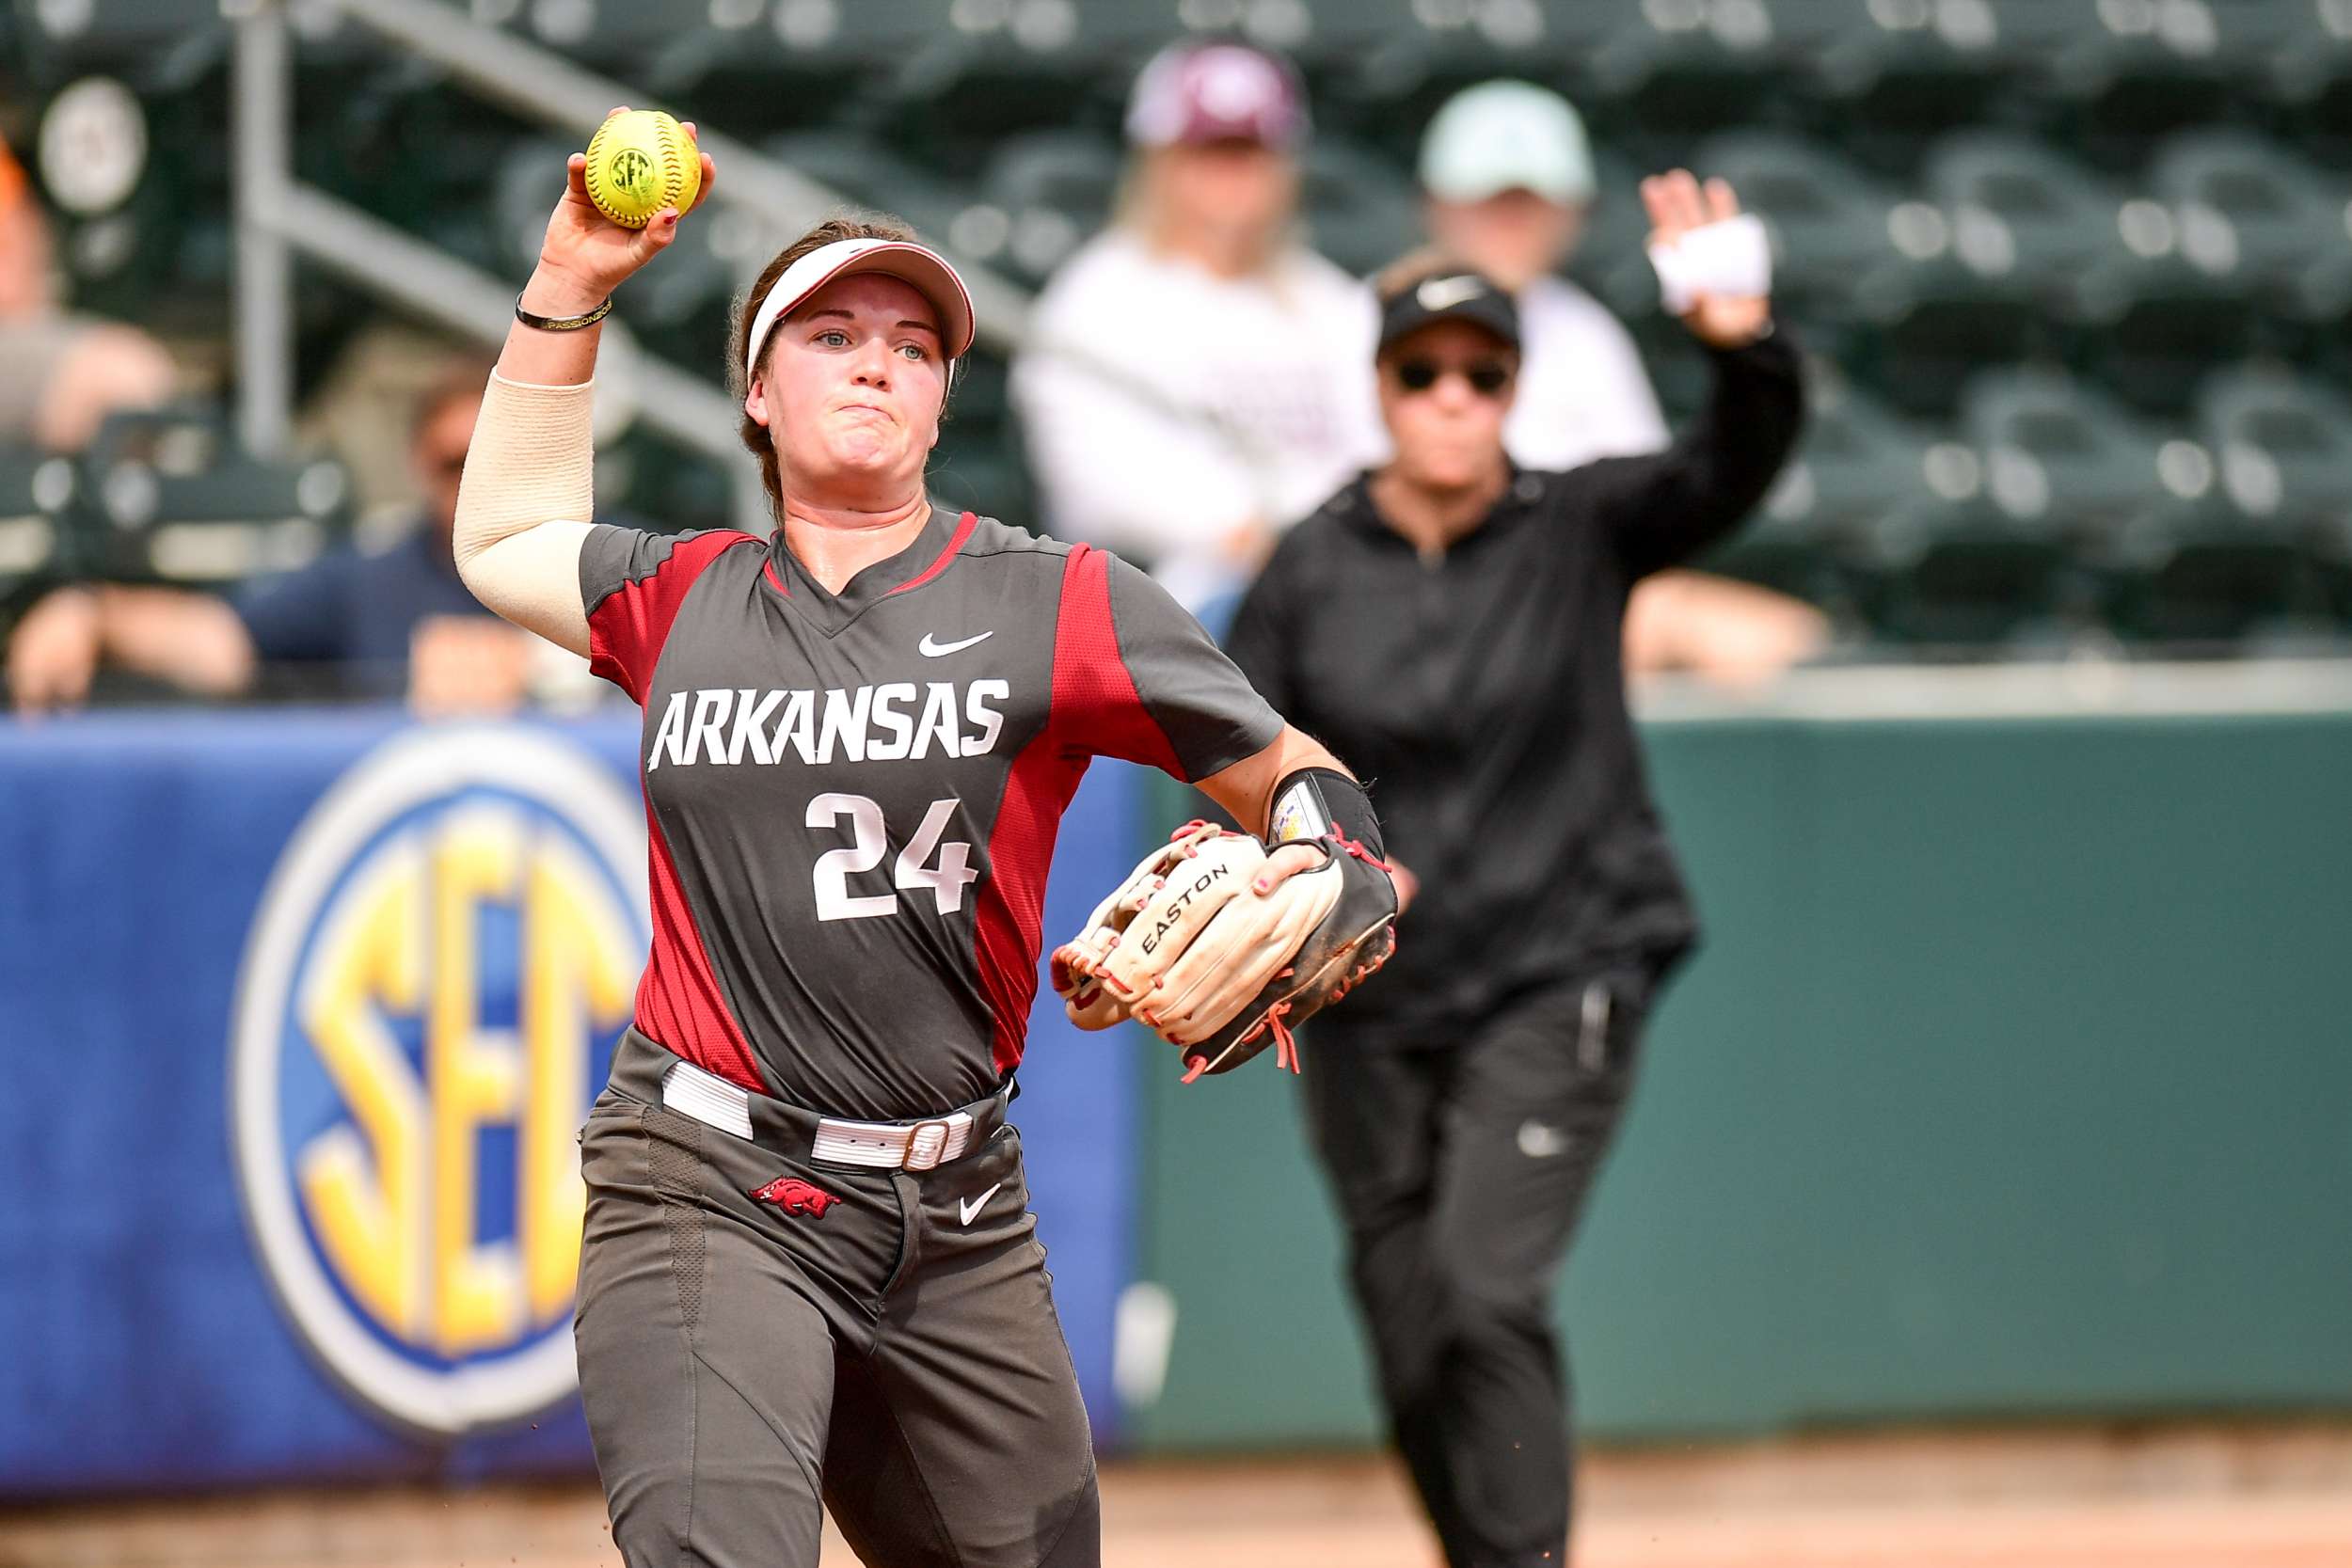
(2171, 1498)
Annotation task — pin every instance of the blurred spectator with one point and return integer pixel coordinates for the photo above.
(1195, 375)
(1507, 178)
(370, 621)
(60, 374)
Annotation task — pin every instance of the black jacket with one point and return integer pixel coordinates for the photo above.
(1480, 692)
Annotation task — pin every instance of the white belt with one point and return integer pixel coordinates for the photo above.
(888, 1145)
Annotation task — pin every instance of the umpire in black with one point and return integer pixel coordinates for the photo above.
(1451, 624)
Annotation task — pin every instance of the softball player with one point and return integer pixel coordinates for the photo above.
(808, 1267)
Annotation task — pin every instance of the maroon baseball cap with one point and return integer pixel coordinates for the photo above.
(1218, 91)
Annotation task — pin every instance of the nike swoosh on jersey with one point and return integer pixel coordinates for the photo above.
(1444, 293)
(973, 1205)
(939, 650)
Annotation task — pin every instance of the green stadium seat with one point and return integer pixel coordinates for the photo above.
(2121, 275)
(329, 43)
(175, 500)
(157, 46)
(1040, 195)
(863, 63)
(2063, 457)
(1361, 211)
(2297, 55)
(752, 66)
(2025, 216)
(1783, 553)
(1962, 576)
(39, 494)
(2257, 216)
(1890, 73)
(2139, 63)
(2282, 442)
(2202, 577)
(1381, 71)
(1654, 72)
(1900, 70)
(665, 49)
(995, 69)
(1854, 467)
(872, 175)
(1400, 52)
(1859, 461)
(1952, 322)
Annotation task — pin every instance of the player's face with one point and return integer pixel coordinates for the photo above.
(1514, 237)
(1444, 392)
(852, 389)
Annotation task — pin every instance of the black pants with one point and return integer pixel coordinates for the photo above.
(883, 1339)
(1461, 1166)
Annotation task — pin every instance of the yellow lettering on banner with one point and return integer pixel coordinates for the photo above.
(476, 1081)
(580, 972)
(364, 1185)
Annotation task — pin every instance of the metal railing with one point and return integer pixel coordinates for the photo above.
(280, 220)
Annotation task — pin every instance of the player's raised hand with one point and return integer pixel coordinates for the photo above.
(1679, 207)
(586, 255)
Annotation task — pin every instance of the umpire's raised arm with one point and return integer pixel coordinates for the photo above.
(1713, 269)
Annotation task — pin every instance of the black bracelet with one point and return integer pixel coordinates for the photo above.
(562, 324)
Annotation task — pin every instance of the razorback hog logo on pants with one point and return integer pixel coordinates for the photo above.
(795, 1197)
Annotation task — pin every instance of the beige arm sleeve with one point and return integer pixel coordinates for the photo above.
(525, 504)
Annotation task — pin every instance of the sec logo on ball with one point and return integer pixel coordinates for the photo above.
(446, 949)
(633, 172)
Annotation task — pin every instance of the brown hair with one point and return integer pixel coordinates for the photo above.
(841, 225)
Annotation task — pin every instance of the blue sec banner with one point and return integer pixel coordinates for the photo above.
(305, 1009)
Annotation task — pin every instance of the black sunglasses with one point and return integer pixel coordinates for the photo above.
(1488, 377)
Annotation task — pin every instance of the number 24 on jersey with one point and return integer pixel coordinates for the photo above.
(924, 863)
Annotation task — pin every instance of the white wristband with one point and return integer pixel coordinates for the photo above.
(1732, 255)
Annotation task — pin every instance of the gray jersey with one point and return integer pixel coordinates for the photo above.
(852, 797)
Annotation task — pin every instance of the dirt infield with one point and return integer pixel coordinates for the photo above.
(2207, 1497)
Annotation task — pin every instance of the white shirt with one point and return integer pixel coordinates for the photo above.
(1582, 393)
(1165, 407)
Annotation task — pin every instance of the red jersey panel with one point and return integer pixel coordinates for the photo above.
(853, 798)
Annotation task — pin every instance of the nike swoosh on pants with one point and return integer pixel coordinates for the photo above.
(972, 1206)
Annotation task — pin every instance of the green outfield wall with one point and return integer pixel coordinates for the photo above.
(2012, 1081)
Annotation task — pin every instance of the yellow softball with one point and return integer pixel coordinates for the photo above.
(639, 162)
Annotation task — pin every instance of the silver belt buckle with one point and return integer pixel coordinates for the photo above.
(926, 1141)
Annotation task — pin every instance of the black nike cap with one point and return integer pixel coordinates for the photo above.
(1463, 296)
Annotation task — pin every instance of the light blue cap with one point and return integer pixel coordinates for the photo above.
(1506, 136)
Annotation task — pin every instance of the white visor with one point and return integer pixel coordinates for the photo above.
(919, 267)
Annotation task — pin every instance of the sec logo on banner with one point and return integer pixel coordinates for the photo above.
(445, 951)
